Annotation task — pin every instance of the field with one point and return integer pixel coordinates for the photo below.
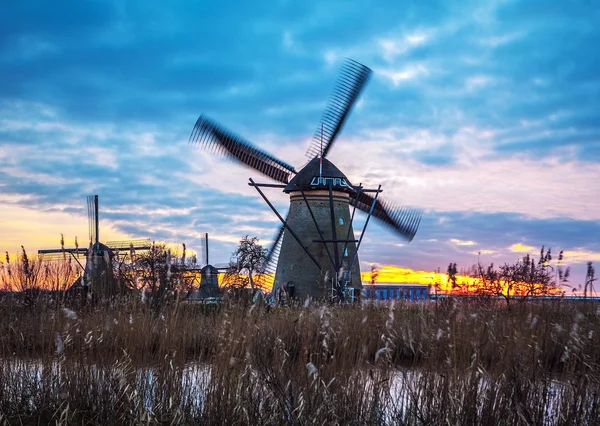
(455, 362)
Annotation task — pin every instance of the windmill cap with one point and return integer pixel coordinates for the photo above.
(311, 178)
(209, 269)
(101, 247)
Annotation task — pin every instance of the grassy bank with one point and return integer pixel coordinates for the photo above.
(456, 362)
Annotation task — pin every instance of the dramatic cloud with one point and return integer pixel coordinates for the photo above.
(484, 115)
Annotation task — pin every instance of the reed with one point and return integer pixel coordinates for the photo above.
(467, 362)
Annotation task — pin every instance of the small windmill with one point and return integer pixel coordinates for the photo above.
(315, 252)
(97, 272)
(209, 283)
(208, 291)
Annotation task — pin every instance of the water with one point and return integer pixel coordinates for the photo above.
(150, 389)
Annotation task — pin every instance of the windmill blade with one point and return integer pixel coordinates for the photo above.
(353, 78)
(403, 220)
(273, 253)
(128, 245)
(59, 254)
(92, 218)
(270, 265)
(204, 250)
(215, 138)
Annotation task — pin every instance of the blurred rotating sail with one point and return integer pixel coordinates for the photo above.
(354, 76)
(404, 221)
(215, 138)
(273, 253)
(270, 264)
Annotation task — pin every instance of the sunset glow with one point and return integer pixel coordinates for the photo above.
(390, 274)
(440, 282)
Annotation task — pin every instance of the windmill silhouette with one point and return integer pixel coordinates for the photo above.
(97, 272)
(315, 253)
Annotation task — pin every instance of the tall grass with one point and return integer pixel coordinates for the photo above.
(457, 362)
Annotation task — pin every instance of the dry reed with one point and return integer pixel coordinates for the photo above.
(456, 362)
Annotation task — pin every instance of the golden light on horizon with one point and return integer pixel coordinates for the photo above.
(441, 283)
(390, 274)
(438, 281)
(41, 230)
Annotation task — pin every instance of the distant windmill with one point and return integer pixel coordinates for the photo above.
(97, 273)
(209, 281)
(209, 291)
(315, 251)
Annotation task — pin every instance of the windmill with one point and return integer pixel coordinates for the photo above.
(209, 284)
(315, 251)
(208, 291)
(97, 272)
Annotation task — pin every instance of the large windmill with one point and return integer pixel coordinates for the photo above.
(97, 272)
(315, 251)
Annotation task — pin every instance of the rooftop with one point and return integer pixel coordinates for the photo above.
(311, 177)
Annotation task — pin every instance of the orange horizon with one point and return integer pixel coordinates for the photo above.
(391, 274)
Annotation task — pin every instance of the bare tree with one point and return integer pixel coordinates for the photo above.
(153, 273)
(246, 262)
(523, 279)
(161, 272)
(60, 275)
(23, 275)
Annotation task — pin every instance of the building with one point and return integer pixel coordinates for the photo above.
(396, 291)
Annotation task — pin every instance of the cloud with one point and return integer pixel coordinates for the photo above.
(405, 74)
(521, 248)
(484, 252)
(484, 116)
(582, 256)
(462, 243)
(392, 47)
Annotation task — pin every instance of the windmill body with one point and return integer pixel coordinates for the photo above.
(315, 251)
(310, 197)
(209, 275)
(98, 272)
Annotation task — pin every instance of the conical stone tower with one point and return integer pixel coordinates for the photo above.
(316, 192)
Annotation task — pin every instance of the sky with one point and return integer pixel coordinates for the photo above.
(484, 115)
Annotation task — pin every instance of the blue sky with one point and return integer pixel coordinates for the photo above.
(483, 114)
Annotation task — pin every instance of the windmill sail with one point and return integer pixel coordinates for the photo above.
(270, 264)
(94, 235)
(273, 253)
(213, 137)
(204, 250)
(353, 78)
(404, 221)
(92, 207)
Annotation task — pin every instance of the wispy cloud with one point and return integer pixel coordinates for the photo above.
(392, 47)
(458, 242)
(404, 74)
(484, 116)
(582, 256)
